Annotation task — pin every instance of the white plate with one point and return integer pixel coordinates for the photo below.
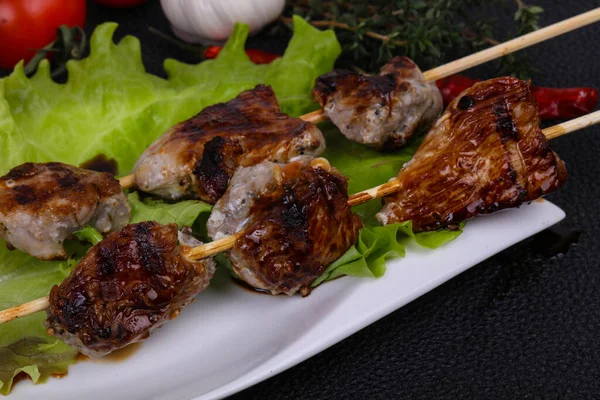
(231, 338)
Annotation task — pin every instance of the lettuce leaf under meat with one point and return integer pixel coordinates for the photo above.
(366, 168)
(183, 213)
(111, 106)
(24, 345)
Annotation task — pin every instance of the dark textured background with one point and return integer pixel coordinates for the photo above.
(523, 324)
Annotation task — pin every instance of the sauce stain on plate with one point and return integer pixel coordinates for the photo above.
(116, 356)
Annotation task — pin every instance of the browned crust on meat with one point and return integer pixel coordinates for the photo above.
(362, 88)
(299, 228)
(19, 188)
(125, 286)
(384, 111)
(244, 131)
(484, 154)
(216, 167)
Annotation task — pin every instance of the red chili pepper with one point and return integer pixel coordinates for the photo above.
(552, 103)
(255, 55)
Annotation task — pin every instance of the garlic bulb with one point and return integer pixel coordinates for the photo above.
(212, 21)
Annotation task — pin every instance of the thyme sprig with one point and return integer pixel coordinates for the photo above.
(431, 32)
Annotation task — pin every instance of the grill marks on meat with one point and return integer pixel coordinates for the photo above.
(41, 205)
(484, 154)
(213, 171)
(196, 158)
(295, 221)
(382, 111)
(126, 286)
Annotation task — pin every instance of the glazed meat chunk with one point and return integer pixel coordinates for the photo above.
(125, 287)
(485, 153)
(382, 111)
(294, 221)
(41, 205)
(196, 158)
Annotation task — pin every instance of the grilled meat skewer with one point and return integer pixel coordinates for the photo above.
(196, 158)
(227, 242)
(382, 111)
(361, 114)
(125, 287)
(484, 154)
(294, 221)
(41, 205)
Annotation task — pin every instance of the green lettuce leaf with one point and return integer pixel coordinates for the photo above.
(88, 234)
(367, 258)
(310, 53)
(366, 168)
(111, 106)
(183, 213)
(24, 345)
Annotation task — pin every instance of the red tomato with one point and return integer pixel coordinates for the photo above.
(120, 3)
(29, 25)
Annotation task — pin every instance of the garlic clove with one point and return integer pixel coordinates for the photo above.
(212, 21)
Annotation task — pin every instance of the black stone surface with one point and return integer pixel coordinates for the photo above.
(523, 324)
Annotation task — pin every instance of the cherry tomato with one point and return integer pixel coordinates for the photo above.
(120, 3)
(28, 25)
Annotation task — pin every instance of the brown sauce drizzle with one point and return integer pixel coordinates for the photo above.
(101, 163)
(22, 376)
(116, 356)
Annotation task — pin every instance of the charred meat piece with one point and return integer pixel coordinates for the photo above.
(485, 153)
(295, 221)
(125, 287)
(382, 111)
(41, 205)
(196, 158)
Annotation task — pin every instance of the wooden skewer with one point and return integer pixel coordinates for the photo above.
(24, 310)
(127, 182)
(572, 125)
(392, 186)
(227, 242)
(481, 57)
(513, 45)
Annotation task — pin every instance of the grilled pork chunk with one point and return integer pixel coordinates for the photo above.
(485, 153)
(382, 111)
(41, 205)
(196, 158)
(294, 219)
(125, 287)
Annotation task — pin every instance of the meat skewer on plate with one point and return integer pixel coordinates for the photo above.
(489, 154)
(383, 111)
(437, 73)
(386, 110)
(296, 220)
(125, 287)
(221, 224)
(541, 160)
(196, 158)
(41, 205)
(292, 220)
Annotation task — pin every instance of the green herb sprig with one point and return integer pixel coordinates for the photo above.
(431, 32)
